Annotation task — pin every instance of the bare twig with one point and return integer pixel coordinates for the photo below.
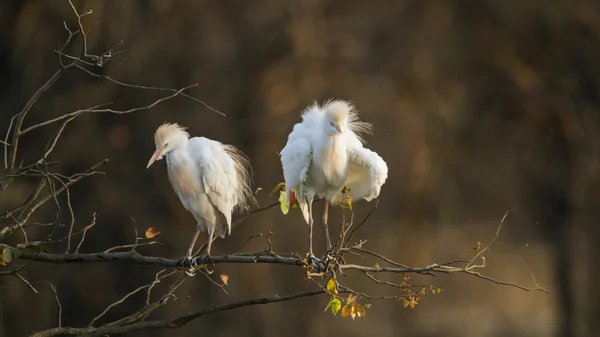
(92, 224)
(468, 265)
(60, 308)
(24, 280)
(362, 222)
(173, 323)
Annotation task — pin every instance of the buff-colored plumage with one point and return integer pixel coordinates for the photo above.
(211, 179)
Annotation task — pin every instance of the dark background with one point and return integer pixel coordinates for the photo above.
(478, 107)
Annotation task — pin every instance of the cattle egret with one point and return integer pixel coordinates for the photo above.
(323, 154)
(211, 179)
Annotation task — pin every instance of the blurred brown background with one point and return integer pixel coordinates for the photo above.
(478, 106)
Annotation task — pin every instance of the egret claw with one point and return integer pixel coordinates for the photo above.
(190, 265)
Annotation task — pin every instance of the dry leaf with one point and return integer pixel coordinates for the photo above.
(361, 312)
(353, 298)
(224, 278)
(151, 232)
(346, 310)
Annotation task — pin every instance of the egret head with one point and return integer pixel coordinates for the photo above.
(168, 137)
(336, 116)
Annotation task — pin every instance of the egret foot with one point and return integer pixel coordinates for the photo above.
(205, 259)
(189, 264)
(315, 262)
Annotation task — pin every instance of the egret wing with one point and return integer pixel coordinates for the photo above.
(296, 156)
(367, 171)
(217, 174)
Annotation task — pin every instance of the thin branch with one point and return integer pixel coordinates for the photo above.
(92, 224)
(24, 280)
(468, 265)
(123, 84)
(173, 323)
(60, 308)
(362, 222)
(90, 171)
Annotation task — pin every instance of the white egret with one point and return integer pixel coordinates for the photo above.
(323, 154)
(211, 179)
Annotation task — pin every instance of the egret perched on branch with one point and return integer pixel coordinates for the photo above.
(211, 179)
(323, 154)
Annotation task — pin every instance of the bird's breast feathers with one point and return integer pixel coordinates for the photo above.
(331, 161)
(185, 178)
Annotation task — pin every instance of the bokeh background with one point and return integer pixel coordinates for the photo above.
(478, 107)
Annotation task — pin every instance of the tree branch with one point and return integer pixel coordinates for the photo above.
(173, 323)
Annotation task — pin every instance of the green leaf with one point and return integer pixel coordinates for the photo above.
(258, 190)
(280, 185)
(283, 203)
(7, 254)
(336, 305)
(16, 253)
(326, 308)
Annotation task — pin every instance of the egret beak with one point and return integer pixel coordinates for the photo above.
(156, 154)
(338, 128)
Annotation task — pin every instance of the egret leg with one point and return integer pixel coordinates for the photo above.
(187, 260)
(310, 228)
(211, 234)
(325, 215)
(198, 230)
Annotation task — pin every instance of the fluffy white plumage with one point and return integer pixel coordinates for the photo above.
(211, 179)
(324, 153)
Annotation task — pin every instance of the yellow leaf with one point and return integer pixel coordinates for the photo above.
(224, 278)
(280, 185)
(7, 254)
(345, 190)
(2, 263)
(349, 200)
(353, 311)
(406, 302)
(478, 245)
(151, 232)
(376, 265)
(283, 203)
(361, 312)
(336, 306)
(258, 190)
(332, 286)
(438, 291)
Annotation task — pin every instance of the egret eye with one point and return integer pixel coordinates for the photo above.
(332, 124)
